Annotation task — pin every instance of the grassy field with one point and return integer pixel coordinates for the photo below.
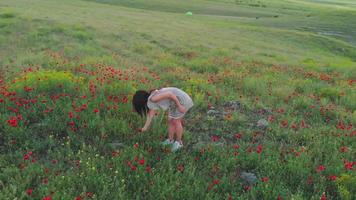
(68, 70)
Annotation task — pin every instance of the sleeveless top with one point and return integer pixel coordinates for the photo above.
(165, 104)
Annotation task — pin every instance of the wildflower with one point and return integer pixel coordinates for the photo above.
(181, 168)
(26, 157)
(340, 125)
(294, 126)
(344, 149)
(96, 110)
(141, 161)
(348, 165)
(78, 198)
(13, 122)
(323, 196)
(332, 177)
(238, 135)
(265, 179)
(47, 198)
(29, 191)
(320, 168)
(133, 168)
(89, 194)
(259, 148)
(303, 124)
(148, 169)
(284, 123)
(45, 181)
(214, 138)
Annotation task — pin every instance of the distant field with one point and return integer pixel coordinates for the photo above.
(273, 84)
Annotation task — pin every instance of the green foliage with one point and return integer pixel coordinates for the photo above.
(49, 82)
(347, 186)
(69, 69)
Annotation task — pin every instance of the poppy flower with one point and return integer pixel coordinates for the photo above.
(265, 179)
(47, 198)
(29, 191)
(238, 135)
(216, 181)
(332, 177)
(259, 148)
(181, 168)
(26, 157)
(141, 161)
(148, 169)
(214, 138)
(320, 168)
(13, 122)
(284, 123)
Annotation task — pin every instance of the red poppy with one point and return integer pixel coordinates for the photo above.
(259, 148)
(284, 123)
(294, 126)
(265, 179)
(332, 177)
(47, 198)
(26, 157)
(148, 169)
(214, 138)
(141, 161)
(181, 168)
(13, 122)
(29, 191)
(344, 149)
(96, 110)
(238, 135)
(89, 194)
(320, 168)
(348, 165)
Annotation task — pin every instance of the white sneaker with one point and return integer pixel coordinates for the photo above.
(176, 146)
(167, 142)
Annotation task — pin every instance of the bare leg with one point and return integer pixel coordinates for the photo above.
(179, 129)
(171, 129)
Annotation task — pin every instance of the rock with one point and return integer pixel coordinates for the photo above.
(117, 145)
(262, 123)
(249, 178)
(232, 105)
(214, 113)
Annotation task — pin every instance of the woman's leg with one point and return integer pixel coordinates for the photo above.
(178, 129)
(171, 129)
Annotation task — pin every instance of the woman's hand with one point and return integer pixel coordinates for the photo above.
(181, 109)
(143, 129)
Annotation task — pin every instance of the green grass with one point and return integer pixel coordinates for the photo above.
(63, 60)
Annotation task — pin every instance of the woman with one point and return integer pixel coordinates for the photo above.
(173, 99)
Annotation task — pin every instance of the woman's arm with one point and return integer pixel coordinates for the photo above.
(166, 95)
(150, 116)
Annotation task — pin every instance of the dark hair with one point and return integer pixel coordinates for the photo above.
(139, 102)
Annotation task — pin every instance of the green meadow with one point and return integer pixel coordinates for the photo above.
(273, 84)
